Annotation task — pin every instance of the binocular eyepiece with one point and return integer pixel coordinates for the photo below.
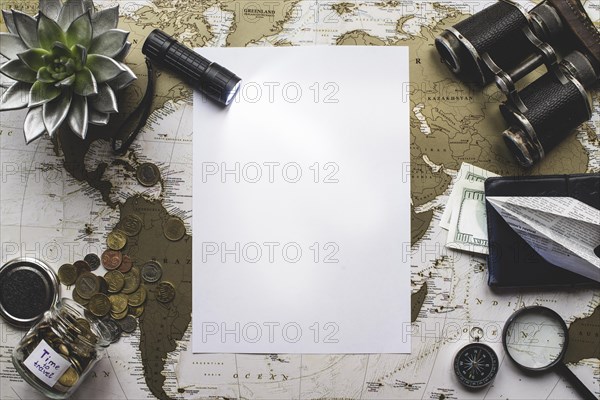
(504, 43)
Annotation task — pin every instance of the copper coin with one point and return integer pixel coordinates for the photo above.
(126, 264)
(111, 259)
(82, 266)
(148, 174)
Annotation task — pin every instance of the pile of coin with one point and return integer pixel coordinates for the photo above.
(118, 297)
(72, 337)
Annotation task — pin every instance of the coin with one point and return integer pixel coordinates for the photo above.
(83, 324)
(151, 271)
(116, 240)
(118, 316)
(79, 299)
(138, 297)
(126, 264)
(100, 305)
(128, 324)
(148, 174)
(131, 225)
(165, 292)
(67, 274)
(136, 311)
(87, 285)
(82, 266)
(118, 303)
(93, 261)
(132, 281)
(69, 378)
(103, 285)
(111, 259)
(115, 280)
(113, 328)
(174, 229)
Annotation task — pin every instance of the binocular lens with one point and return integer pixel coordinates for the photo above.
(553, 108)
(487, 32)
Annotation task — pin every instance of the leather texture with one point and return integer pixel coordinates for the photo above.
(511, 261)
(580, 26)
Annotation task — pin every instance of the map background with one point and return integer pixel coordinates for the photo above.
(60, 216)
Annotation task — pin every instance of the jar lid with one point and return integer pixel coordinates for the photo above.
(28, 288)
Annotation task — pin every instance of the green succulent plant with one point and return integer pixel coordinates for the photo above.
(65, 64)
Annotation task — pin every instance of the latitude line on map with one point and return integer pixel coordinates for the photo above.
(362, 388)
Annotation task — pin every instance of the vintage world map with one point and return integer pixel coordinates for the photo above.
(59, 199)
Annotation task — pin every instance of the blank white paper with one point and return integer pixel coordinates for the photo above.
(301, 208)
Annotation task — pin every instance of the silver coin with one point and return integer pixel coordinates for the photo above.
(93, 261)
(114, 330)
(151, 272)
(128, 324)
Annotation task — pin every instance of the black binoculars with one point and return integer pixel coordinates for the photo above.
(504, 43)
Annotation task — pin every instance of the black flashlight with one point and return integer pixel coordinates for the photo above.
(210, 78)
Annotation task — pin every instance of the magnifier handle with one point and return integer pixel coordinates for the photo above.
(575, 381)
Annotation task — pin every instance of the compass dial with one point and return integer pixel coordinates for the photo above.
(476, 365)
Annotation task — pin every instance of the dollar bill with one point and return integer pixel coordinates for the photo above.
(468, 226)
(467, 174)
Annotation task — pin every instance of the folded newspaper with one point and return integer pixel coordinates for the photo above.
(563, 230)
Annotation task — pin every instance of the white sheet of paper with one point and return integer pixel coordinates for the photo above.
(302, 204)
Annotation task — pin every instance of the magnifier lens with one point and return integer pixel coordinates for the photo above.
(536, 339)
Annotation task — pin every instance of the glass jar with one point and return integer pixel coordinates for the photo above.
(57, 353)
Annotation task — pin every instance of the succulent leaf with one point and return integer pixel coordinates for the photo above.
(51, 8)
(9, 21)
(49, 32)
(110, 43)
(103, 68)
(12, 45)
(43, 75)
(106, 100)
(88, 5)
(79, 56)
(97, 117)
(56, 111)
(42, 93)
(125, 79)
(6, 82)
(80, 31)
(17, 70)
(85, 83)
(66, 82)
(105, 20)
(15, 97)
(34, 124)
(70, 11)
(64, 63)
(26, 28)
(78, 116)
(34, 58)
(123, 53)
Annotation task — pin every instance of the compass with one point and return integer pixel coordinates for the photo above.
(476, 364)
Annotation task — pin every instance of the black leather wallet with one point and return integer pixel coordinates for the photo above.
(511, 261)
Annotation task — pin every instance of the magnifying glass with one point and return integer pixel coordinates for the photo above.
(536, 339)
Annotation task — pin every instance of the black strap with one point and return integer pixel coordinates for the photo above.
(121, 146)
